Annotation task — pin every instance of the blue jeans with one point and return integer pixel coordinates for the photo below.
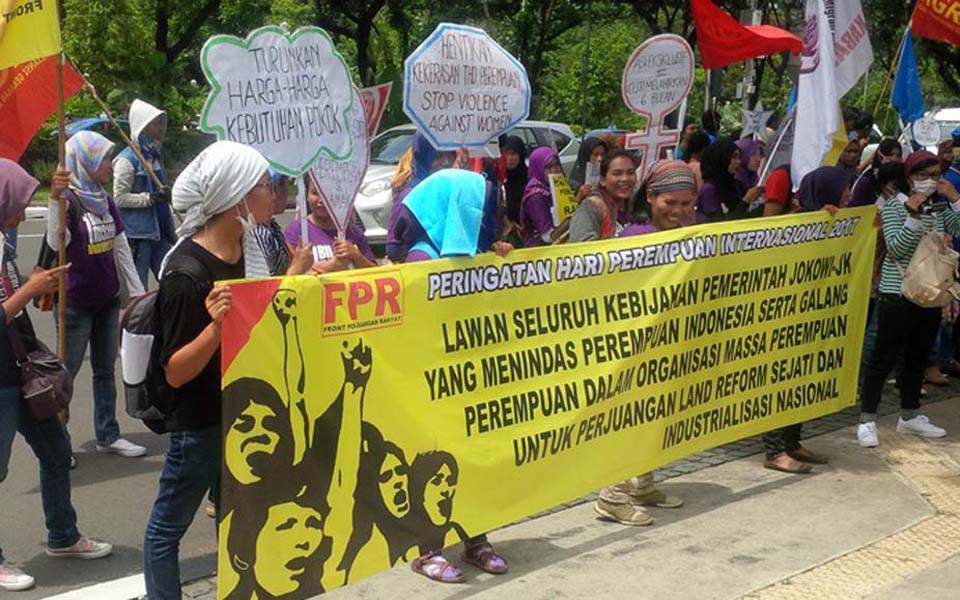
(943, 346)
(191, 467)
(148, 256)
(99, 329)
(51, 445)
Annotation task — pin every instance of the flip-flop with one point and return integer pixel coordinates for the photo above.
(803, 469)
(437, 568)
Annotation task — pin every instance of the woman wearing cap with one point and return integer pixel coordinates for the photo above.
(223, 193)
(903, 327)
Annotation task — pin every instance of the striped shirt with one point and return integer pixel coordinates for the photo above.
(902, 233)
(274, 247)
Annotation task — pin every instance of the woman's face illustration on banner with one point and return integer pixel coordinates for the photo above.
(438, 495)
(291, 535)
(394, 483)
(252, 432)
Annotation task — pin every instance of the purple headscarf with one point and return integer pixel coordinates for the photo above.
(748, 148)
(823, 186)
(16, 189)
(537, 182)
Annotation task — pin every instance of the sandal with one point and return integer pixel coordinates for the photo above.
(436, 567)
(484, 557)
(798, 469)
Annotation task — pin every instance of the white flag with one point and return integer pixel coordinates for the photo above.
(817, 115)
(851, 42)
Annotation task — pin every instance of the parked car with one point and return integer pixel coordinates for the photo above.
(374, 201)
(948, 119)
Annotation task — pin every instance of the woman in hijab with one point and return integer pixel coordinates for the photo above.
(865, 187)
(722, 196)
(536, 215)
(100, 256)
(751, 155)
(592, 150)
(223, 194)
(448, 207)
(514, 153)
(47, 439)
(426, 160)
(825, 188)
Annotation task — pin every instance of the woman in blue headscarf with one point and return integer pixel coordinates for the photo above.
(448, 208)
(402, 228)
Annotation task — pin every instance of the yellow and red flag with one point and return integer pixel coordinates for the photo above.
(29, 29)
(28, 95)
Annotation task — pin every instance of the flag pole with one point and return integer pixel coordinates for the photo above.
(893, 65)
(61, 206)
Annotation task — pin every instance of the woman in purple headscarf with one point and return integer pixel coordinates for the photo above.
(536, 215)
(403, 229)
(751, 155)
(826, 188)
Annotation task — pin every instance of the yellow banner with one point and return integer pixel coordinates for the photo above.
(29, 29)
(373, 415)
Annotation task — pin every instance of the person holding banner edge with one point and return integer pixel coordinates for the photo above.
(600, 216)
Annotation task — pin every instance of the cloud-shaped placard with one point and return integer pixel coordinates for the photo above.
(287, 95)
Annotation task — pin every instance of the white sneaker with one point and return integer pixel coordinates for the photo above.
(13, 579)
(867, 435)
(84, 548)
(920, 425)
(123, 448)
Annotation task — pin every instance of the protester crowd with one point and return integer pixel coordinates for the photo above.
(227, 199)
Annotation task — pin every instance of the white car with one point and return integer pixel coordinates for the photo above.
(375, 200)
(948, 119)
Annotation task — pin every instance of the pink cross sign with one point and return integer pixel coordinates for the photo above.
(656, 80)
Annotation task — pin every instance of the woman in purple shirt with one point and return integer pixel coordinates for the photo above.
(722, 197)
(99, 257)
(329, 253)
(536, 215)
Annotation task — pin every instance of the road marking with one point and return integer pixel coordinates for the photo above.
(118, 589)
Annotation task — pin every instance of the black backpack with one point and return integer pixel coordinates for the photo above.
(147, 395)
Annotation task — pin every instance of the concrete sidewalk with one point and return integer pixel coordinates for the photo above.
(882, 524)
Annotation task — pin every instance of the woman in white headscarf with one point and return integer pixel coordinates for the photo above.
(222, 194)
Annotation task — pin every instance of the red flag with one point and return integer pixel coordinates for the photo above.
(937, 20)
(723, 41)
(28, 95)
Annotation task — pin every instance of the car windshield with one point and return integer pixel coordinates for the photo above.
(388, 147)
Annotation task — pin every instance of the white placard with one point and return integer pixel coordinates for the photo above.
(658, 76)
(462, 89)
(287, 95)
(339, 180)
(926, 130)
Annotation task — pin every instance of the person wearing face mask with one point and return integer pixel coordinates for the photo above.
(723, 196)
(903, 327)
(329, 252)
(223, 193)
(865, 187)
(100, 256)
(144, 207)
(602, 214)
(402, 229)
(536, 215)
